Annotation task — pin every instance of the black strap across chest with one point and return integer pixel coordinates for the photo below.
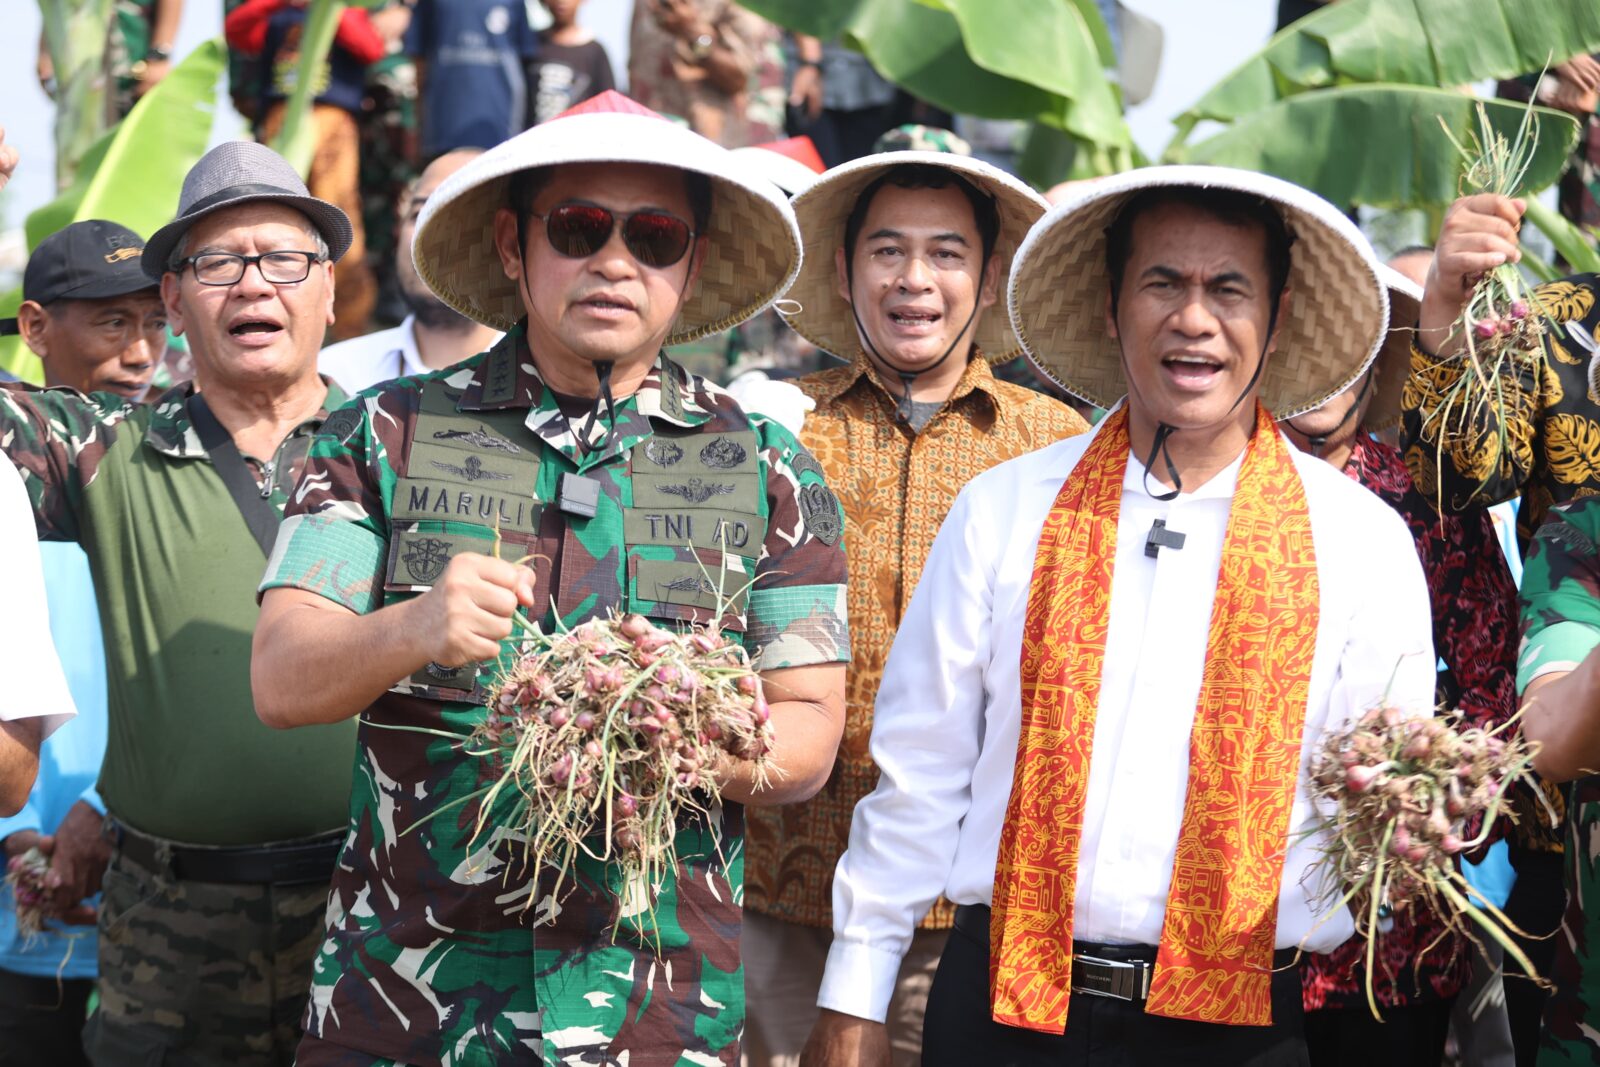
(254, 505)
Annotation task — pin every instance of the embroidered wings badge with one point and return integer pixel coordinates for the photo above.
(697, 490)
(472, 472)
(479, 438)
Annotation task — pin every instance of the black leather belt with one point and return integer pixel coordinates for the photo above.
(291, 863)
(1121, 972)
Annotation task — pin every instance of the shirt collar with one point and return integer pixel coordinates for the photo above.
(172, 434)
(863, 373)
(505, 377)
(411, 364)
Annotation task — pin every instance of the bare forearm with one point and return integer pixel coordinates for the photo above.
(1562, 714)
(724, 71)
(164, 28)
(19, 762)
(803, 748)
(315, 666)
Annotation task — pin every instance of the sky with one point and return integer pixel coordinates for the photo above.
(1200, 47)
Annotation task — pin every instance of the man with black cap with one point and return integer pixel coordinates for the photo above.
(224, 833)
(90, 312)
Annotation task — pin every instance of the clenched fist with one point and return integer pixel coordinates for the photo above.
(468, 612)
(1479, 233)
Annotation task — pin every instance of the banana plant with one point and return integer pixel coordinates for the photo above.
(75, 39)
(1042, 60)
(122, 179)
(296, 140)
(1441, 43)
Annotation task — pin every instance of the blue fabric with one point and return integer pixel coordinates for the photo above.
(1494, 877)
(347, 75)
(474, 90)
(69, 762)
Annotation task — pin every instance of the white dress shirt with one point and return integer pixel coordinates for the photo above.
(363, 362)
(949, 711)
(25, 614)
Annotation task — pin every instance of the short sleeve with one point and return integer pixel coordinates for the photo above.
(797, 605)
(1561, 593)
(335, 533)
(57, 438)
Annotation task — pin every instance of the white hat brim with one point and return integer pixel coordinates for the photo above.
(752, 241)
(1338, 309)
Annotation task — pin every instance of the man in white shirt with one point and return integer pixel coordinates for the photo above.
(434, 335)
(1120, 768)
(29, 712)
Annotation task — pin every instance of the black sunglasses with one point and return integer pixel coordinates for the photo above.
(654, 238)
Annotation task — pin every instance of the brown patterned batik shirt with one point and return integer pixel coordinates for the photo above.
(896, 488)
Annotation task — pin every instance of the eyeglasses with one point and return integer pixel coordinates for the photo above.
(226, 268)
(654, 238)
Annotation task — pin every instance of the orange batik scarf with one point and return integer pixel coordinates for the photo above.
(1214, 963)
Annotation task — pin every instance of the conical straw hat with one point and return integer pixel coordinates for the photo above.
(1394, 358)
(753, 244)
(823, 316)
(1338, 310)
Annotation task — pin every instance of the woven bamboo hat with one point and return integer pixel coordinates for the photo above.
(1393, 364)
(753, 244)
(824, 318)
(1338, 314)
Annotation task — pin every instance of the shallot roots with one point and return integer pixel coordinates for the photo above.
(1400, 793)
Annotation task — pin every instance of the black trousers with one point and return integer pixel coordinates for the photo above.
(41, 1020)
(959, 1032)
(1412, 1036)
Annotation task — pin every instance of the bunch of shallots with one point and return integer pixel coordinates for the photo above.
(25, 874)
(1401, 792)
(604, 736)
(1503, 323)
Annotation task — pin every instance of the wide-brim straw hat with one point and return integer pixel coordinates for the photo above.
(1393, 364)
(236, 173)
(824, 318)
(752, 242)
(785, 163)
(1338, 308)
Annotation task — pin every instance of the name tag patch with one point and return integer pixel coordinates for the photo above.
(713, 528)
(485, 503)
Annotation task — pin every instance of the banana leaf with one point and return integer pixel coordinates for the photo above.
(296, 140)
(1379, 145)
(75, 38)
(1571, 242)
(130, 182)
(1042, 60)
(1415, 42)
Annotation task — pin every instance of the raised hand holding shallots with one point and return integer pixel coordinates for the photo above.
(1479, 233)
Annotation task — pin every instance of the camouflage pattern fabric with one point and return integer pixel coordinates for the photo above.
(1560, 626)
(916, 138)
(388, 158)
(440, 948)
(253, 945)
(126, 47)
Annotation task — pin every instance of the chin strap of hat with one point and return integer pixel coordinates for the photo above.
(1319, 441)
(1159, 448)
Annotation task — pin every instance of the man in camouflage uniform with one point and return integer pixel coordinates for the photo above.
(631, 486)
(224, 833)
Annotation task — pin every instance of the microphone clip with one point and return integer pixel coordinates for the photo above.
(1160, 537)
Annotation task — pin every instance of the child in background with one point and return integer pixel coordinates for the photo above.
(569, 67)
(470, 56)
(271, 30)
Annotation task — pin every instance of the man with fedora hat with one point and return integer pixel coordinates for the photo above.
(224, 833)
(906, 253)
(1474, 608)
(1094, 728)
(594, 239)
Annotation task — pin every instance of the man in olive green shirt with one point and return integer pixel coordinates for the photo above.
(226, 833)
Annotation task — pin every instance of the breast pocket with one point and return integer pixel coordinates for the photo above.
(419, 552)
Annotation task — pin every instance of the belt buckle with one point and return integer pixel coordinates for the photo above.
(1129, 980)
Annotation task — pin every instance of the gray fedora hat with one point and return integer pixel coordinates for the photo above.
(243, 172)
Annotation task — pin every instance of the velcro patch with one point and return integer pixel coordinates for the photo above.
(341, 425)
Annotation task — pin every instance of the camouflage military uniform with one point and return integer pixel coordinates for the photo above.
(126, 47)
(1560, 626)
(433, 956)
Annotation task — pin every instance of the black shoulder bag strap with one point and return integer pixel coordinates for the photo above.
(256, 508)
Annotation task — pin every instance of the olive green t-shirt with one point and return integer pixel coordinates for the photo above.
(175, 571)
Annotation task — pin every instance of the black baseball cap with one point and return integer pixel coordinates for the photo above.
(89, 260)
